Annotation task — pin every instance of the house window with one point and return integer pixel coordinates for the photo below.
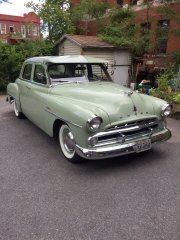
(120, 3)
(134, 2)
(145, 26)
(34, 30)
(164, 24)
(23, 31)
(162, 35)
(11, 28)
(2, 28)
(29, 30)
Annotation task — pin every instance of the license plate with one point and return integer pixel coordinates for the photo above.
(142, 145)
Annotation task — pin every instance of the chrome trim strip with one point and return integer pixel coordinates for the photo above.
(144, 122)
(74, 124)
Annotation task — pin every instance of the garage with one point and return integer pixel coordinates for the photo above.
(119, 59)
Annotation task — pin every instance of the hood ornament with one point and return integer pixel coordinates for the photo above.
(128, 93)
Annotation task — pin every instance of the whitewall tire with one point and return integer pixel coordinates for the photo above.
(17, 113)
(67, 144)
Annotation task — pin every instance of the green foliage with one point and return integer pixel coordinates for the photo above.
(55, 15)
(12, 57)
(89, 9)
(168, 85)
(176, 58)
(177, 98)
(122, 31)
(168, 13)
(169, 90)
(164, 80)
(120, 15)
(3, 86)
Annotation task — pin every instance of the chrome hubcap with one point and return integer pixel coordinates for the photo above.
(68, 141)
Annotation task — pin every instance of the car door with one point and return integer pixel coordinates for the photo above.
(24, 84)
(37, 95)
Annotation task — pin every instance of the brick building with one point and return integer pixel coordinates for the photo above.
(14, 29)
(164, 45)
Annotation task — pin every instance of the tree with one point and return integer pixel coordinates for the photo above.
(115, 25)
(121, 29)
(88, 10)
(12, 57)
(55, 15)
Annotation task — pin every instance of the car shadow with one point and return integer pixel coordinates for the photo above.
(133, 160)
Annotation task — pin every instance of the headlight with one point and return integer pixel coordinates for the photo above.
(93, 123)
(166, 110)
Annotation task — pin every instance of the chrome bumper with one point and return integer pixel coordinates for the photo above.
(119, 149)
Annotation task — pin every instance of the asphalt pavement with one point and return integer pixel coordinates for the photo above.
(44, 197)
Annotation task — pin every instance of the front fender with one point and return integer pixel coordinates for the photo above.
(76, 113)
(157, 104)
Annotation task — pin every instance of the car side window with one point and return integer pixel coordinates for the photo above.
(39, 75)
(56, 71)
(98, 73)
(27, 72)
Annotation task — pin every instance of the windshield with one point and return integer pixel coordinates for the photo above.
(77, 72)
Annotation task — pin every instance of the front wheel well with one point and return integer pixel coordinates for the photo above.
(57, 124)
(68, 150)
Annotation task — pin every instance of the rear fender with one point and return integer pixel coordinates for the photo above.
(13, 93)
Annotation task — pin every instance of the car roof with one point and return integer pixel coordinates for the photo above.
(66, 59)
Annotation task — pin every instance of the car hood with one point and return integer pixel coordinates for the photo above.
(117, 101)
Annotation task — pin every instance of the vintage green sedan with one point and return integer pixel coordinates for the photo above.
(73, 98)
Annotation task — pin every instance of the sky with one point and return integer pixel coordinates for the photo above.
(16, 7)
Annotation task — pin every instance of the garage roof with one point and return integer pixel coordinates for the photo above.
(86, 41)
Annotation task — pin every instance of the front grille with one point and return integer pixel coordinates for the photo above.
(145, 122)
(128, 131)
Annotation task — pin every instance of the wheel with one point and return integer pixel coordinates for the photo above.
(18, 114)
(67, 144)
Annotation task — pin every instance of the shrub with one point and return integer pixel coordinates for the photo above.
(164, 89)
(12, 57)
(3, 86)
(176, 58)
(177, 98)
(168, 89)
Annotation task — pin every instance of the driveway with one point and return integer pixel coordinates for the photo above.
(44, 197)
